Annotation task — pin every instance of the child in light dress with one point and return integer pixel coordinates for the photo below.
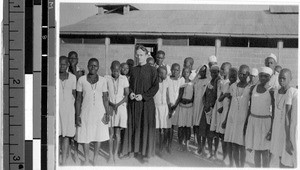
(66, 106)
(258, 124)
(91, 108)
(118, 90)
(221, 107)
(283, 108)
(162, 105)
(239, 105)
(175, 81)
(200, 83)
(185, 110)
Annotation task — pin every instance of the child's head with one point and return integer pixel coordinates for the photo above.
(150, 61)
(278, 68)
(188, 62)
(175, 70)
(244, 73)
(214, 71)
(233, 75)
(162, 72)
(63, 64)
(224, 70)
(124, 69)
(186, 71)
(271, 61)
(285, 77)
(253, 75)
(73, 58)
(130, 63)
(203, 71)
(159, 58)
(141, 53)
(265, 75)
(93, 66)
(115, 69)
(212, 60)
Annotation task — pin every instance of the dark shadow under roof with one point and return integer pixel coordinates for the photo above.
(200, 22)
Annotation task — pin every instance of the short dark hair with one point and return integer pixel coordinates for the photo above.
(72, 53)
(190, 59)
(115, 63)
(93, 59)
(160, 52)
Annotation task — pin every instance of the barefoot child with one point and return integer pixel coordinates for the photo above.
(185, 110)
(200, 83)
(209, 100)
(66, 110)
(162, 105)
(239, 105)
(283, 108)
(221, 106)
(259, 119)
(175, 83)
(118, 90)
(91, 106)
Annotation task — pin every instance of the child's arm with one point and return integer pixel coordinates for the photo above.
(249, 110)
(169, 103)
(178, 100)
(225, 121)
(105, 102)
(287, 123)
(125, 99)
(78, 108)
(269, 134)
(74, 93)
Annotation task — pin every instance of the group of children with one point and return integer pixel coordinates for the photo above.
(244, 108)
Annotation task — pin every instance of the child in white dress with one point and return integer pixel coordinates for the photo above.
(91, 107)
(221, 107)
(239, 105)
(162, 105)
(185, 110)
(258, 123)
(175, 83)
(118, 90)
(200, 83)
(67, 96)
(283, 108)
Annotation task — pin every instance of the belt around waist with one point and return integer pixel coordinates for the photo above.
(260, 116)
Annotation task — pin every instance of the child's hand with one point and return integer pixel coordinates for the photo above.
(78, 121)
(220, 110)
(170, 115)
(132, 96)
(289, 147)
(269, 134)
(224, 125)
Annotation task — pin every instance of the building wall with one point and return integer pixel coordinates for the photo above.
(253, 57)
(176, 54)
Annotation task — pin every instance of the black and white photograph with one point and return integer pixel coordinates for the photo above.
(177, 85)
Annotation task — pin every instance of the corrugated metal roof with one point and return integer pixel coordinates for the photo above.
(203, 22)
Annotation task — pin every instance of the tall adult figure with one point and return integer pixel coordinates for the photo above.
(271, 62)
(143, 85)
(73, 67)
(159, 61)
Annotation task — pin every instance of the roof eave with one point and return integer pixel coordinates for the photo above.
(181, 34)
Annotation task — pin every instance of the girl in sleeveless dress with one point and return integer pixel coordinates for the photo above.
(185, 110)
(259, 120)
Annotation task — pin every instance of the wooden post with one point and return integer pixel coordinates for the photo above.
(217, 46)
(159, 44)
(279, 46)
(107, 42)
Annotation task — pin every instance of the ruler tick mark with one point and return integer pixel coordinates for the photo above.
(13, 30)
(16, 12)
(11, 116)
(13, 68)
(15, 49)
(15, 125)
(13, 106)
(16, 87)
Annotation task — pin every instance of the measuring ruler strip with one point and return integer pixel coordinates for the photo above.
(13, 87)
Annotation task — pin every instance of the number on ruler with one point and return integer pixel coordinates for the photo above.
(16, 158)
(44, 37)
(16, 6)
(16, 81)
(50, 5)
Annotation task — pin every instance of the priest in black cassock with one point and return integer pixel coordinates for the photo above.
(139, 136)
